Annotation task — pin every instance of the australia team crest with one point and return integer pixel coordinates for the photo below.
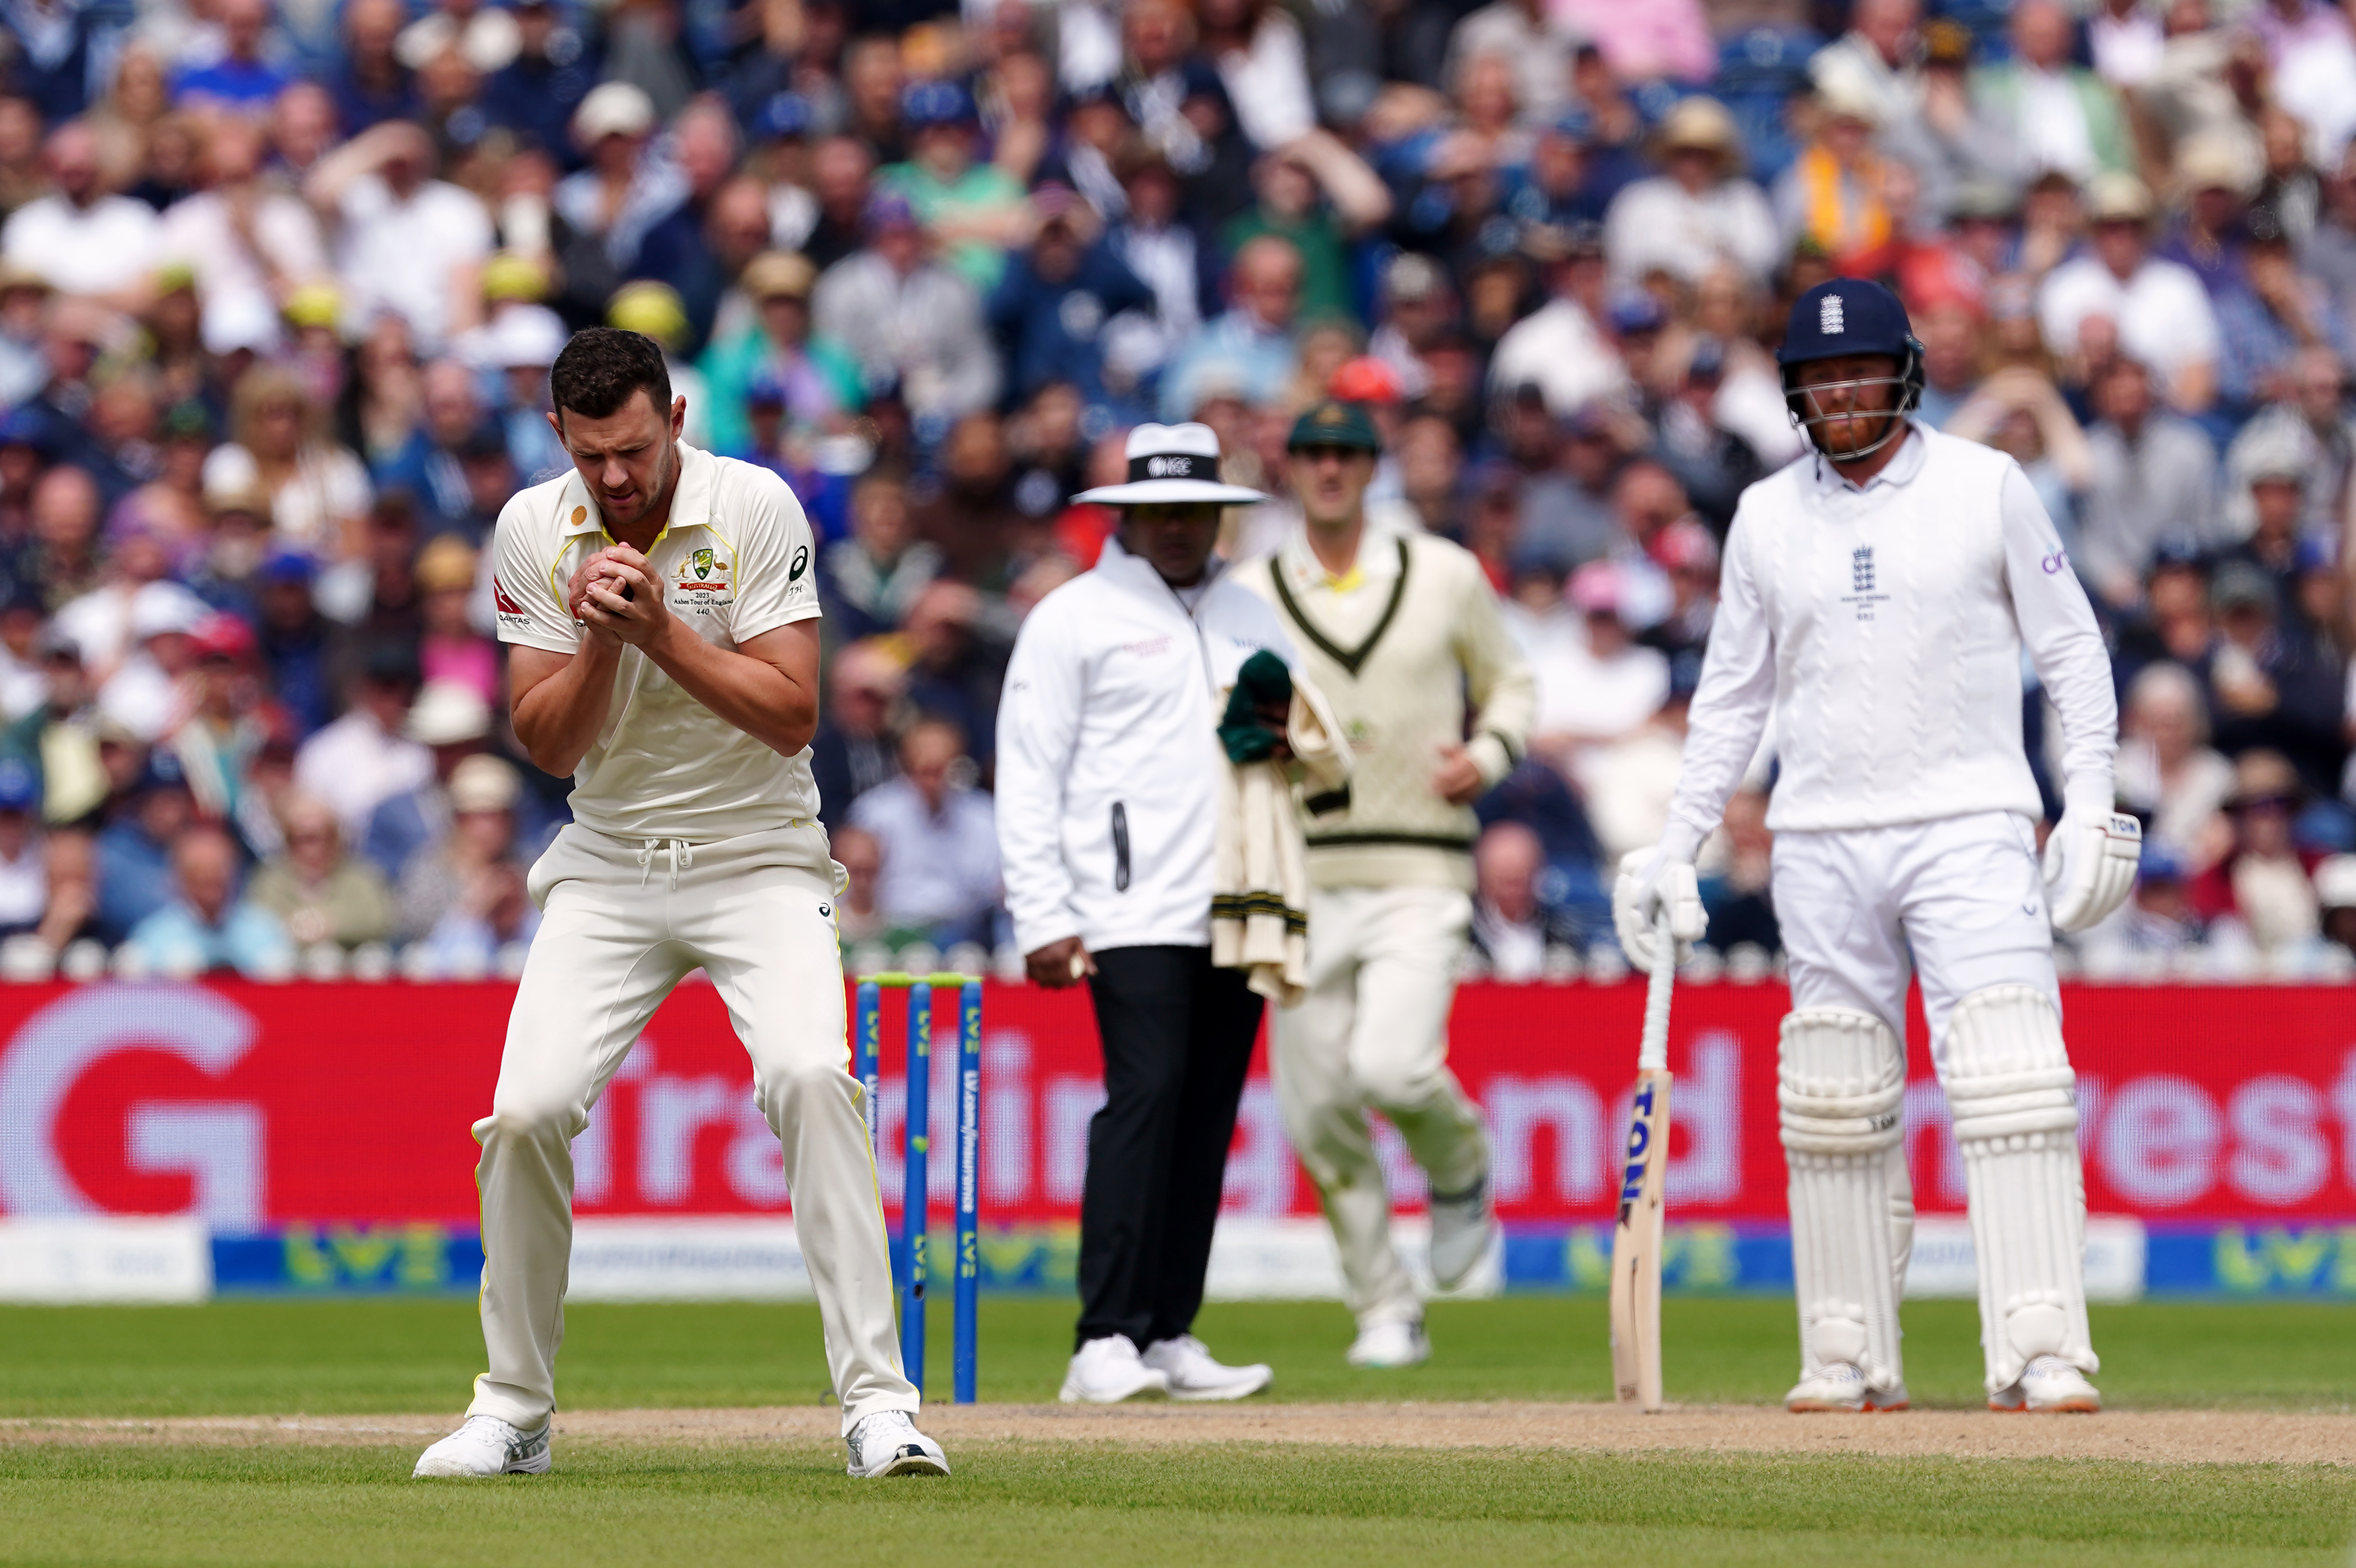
(705, 580)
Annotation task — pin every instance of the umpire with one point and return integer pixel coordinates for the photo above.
(1108, 800)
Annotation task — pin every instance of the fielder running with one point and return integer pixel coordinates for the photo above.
(1396, 631)
(1877, 597)
(660, 606)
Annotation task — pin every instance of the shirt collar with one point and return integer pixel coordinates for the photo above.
(691, 503)
(1117, 562)
(1377, 560)
(1913, 451)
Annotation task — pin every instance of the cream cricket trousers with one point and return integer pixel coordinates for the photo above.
(1372, 1033)
(624, 921)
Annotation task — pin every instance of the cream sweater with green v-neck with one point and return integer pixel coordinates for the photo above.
(1410, 650)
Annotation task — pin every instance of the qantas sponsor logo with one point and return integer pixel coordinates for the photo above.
(503, 602)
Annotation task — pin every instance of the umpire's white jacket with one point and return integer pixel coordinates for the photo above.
(1109, 752)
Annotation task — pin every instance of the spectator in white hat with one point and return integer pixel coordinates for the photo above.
(145, 694)
(2163, 314)
(452, 721)
(628, 186)
(480, 800)
(2334, 894)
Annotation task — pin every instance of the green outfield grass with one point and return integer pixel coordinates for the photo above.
(256, 1356)
(1084, 1505)
(1095, 1505)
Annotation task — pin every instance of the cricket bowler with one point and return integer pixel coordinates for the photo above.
(1398, 633)
(662, 621)
(1878, 595)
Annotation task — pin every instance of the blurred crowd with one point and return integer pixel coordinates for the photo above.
(281, 280)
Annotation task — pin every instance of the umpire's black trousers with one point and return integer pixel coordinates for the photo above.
(1177, 1037)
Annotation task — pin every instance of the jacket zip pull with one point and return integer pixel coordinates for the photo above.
(1119, 847)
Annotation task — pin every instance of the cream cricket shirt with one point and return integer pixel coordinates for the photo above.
(734, 562)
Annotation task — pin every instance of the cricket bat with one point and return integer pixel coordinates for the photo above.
(1636, 1236)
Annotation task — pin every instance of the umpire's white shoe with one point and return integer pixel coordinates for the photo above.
(1388, 1344)
(2048, 1386)
(1841, 1387)
(1193, 1375)
(1107, 1371)
(888, 1443)
(485, 1446)
(1462, 1226)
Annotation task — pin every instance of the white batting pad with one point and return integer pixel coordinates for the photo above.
(2015, 1109)
(1842, 1083)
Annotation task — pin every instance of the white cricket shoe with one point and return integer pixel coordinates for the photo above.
(1841, 1387)
(1462, 1226)
(888, 1443)
(1193, 1375)
(486, 1447)
(2048, 1386)
(1107, 1371)
(1383, 1346)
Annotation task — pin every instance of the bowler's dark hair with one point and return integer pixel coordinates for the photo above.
(600, 369)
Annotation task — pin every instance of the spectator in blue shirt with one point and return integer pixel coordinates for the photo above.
(372, 86)
(535, 93)
(206, 925)
(940, 837)
(134, 851)
(294, 638)
(1050, 308)
(241, 81)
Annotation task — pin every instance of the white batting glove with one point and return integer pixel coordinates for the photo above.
(2090, 864)
(1651, 881)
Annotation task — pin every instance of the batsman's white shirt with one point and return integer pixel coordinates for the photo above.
(735, 560)
(1883, 627)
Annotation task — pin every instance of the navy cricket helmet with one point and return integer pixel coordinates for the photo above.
(1838, 318)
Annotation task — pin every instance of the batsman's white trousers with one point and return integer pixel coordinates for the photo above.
(1372, 1033)
(624, 922)
(1959, 901)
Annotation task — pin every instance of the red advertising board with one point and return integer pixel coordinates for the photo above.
(259, 1105)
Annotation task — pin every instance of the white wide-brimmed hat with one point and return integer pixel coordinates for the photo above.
(1171, 463)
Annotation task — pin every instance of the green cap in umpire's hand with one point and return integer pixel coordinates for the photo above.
(1335, 423)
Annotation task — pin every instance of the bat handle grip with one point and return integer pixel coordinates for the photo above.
(1653, 1052)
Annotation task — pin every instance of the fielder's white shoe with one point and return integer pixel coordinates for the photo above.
(1107, 1371)
(1841, 1387)
(888, 1443)
(486, 1447)
(1462, 1225)
(1383, 1346)
(2050, 1386)
(1193, 1375)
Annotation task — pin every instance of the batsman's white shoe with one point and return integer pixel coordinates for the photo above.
(487, 1446)
(1107, 1371)
(1195, 1376)
(2050, 1386)
(1462, 1226)
(1382, 1346)
(1841, 1387)
(888, 1443)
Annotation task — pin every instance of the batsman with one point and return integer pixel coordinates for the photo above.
(1877, 597)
